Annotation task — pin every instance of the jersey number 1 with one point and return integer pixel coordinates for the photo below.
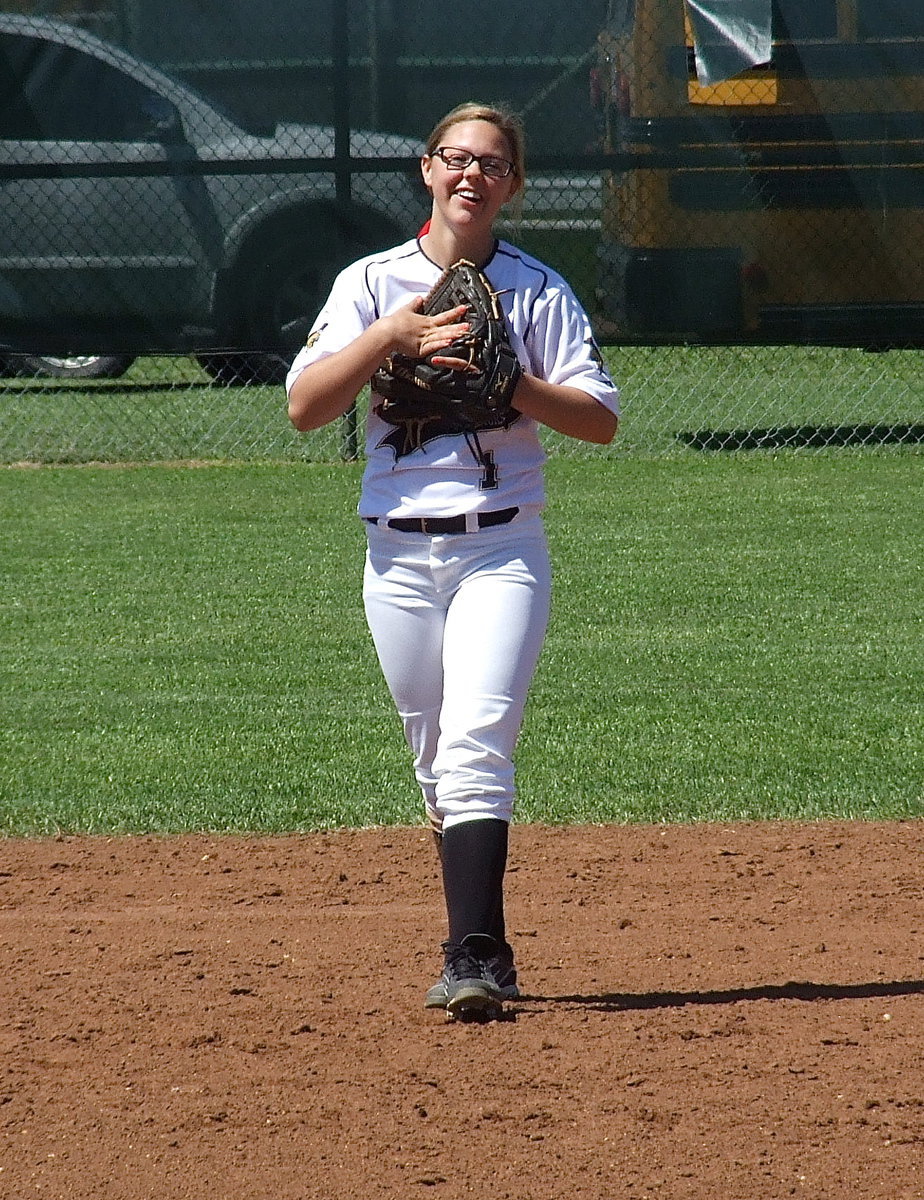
(489, 472)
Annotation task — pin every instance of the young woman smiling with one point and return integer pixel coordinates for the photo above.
(457, 578)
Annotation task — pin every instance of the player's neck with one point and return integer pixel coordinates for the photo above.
(445, 246)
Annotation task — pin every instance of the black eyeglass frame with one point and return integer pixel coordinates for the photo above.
(481, 159)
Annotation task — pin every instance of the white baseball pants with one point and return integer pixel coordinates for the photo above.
(458, 622)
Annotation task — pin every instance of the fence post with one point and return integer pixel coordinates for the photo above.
(340, 62)
(349, 440)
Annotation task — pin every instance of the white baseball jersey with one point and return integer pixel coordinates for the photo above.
(448, 473)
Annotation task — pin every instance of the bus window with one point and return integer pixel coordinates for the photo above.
(889, 19)
(798, 21)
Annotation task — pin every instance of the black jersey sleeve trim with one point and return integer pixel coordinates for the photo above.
(528, 264)
(386, 259)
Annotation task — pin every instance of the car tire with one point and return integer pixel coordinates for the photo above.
(74, 366)
(285, 277)
(293, 282)
(238, 370)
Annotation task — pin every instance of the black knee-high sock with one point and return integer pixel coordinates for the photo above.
(474, 858)
(498, 928)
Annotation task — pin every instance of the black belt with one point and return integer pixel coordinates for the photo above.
(437, 525)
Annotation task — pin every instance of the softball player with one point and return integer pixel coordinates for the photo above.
(457, 578)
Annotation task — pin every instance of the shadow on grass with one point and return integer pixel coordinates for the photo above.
(799, 436)
(810, 992)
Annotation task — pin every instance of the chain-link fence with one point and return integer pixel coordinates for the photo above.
(734, 191)
(675, 400)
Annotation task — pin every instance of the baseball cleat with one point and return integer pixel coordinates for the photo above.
(474, 1003)
(500, 969)
(469, 988)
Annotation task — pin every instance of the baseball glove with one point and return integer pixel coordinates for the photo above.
(415, 389)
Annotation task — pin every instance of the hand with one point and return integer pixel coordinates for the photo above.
(417, 335)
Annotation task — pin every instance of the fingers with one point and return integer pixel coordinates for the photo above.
(434, 340)
(450, 316)
(442, 329)
(418, 335)
(454, 364)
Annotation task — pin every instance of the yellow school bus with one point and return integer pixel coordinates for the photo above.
(784, 204)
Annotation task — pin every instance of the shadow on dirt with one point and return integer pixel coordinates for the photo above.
(795, 990)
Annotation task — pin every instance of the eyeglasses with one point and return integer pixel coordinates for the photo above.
(461, 160)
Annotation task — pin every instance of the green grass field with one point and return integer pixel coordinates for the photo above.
(733, 637)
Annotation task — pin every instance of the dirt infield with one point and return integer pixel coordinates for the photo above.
(731, 1012)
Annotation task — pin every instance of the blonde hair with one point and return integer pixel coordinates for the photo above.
(504, 119)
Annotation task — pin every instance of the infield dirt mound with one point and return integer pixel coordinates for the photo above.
(715, 1011)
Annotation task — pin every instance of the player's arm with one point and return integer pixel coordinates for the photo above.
(567, 410)
(562, 355)
(326, 388)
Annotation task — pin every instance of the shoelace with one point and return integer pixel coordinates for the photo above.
(462, 964)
